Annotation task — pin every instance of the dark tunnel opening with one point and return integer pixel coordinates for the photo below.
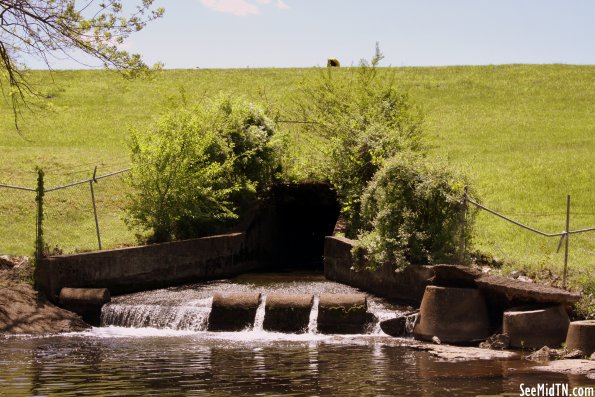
(292, 226)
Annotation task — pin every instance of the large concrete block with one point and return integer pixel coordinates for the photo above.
(287, 313)
(535, 327)
(342, 313)
(581, 336)
(454, 315)
(233, 312)
(86, 302)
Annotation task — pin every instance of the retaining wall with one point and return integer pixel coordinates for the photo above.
(407, 285)
(147, 267)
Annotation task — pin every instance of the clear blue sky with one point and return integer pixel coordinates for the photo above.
(300, 33)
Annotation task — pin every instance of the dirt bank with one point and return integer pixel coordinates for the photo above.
(22, 310)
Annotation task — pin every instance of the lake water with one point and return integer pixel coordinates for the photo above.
(183, 359)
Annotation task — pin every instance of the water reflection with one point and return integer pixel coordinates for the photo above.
(215, 365)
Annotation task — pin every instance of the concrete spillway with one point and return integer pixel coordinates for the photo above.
(336, 313)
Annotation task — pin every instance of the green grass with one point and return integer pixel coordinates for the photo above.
(525, 134)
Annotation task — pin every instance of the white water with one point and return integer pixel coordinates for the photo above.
(188, 308)
(193, 316)
(313, 320)
(259, 319)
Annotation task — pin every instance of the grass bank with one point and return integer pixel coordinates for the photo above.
(525, 134)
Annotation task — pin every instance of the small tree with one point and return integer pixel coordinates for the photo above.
(365, 120)
(195, 167)
(411, 213)
(40, 28)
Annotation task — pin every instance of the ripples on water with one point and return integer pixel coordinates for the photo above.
(97, 364)
(117, 361)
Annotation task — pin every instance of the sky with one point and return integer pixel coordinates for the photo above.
(304, 33)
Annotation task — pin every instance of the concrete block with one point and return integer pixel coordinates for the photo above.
(581, 336)
(342, 313)
(86, 302)
(234, 311)
(287, 313)
(535, 327)
(454, 315)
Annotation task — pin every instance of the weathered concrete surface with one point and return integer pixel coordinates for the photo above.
(22, 310)
(454, 315)
(146, 267)
(581, 336)
(501, 293)
(407, 285)
(504, 289)
(86, 302)
(456, 276)
(520, 291)
(342, 313)
(287, 313)
(533, 328)
(234, 311)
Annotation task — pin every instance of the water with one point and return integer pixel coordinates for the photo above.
(164, 351)
(188, 307)
(112, 362)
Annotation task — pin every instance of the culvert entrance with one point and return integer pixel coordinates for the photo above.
(292, 224)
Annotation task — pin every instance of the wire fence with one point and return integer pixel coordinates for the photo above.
(564, 235)
(84, 215)
(88, 214)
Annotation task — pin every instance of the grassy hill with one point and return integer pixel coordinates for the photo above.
(525, 134)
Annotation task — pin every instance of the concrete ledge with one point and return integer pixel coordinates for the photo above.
(287, 313)
(233, 312)
(407, 285)
(146, 267)
(342, 313)
(533, 328)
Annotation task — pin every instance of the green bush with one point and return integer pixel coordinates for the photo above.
(365, 120)
(196, 166)
(411, 213)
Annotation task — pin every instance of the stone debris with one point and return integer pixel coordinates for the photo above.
(543, 354)
(496, 342)
(574, 354)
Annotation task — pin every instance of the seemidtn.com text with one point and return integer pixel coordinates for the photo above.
(556, 390)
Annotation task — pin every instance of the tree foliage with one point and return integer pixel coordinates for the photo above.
(365, 119)
(412, 213)
(197, 165)
(43, 28)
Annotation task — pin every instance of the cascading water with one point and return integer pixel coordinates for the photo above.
(259, 319)
(187, 308)
(313, 323)
(193, 316)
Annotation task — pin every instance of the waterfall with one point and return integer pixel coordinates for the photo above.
(193, 316)
(313, 323)
(259, 319)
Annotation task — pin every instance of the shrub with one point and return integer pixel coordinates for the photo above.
(365, 120)
(196, 165)
(411, 213)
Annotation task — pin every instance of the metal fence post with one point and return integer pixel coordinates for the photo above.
(567, 236)
(94, 180)
(463, 221)
(40, 191)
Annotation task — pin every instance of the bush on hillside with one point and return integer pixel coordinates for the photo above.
(411, 213)
(365, 120)
(196, 166)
